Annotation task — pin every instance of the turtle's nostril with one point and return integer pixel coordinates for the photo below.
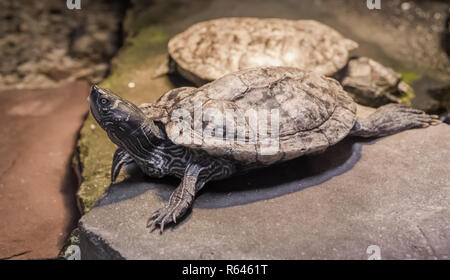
(94, 91)
(97, 90)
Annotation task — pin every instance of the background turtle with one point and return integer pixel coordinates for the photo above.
(373, 84)
(209, 50)
(314, 113)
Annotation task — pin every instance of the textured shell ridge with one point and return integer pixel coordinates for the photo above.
(314, 111)
(209, 50)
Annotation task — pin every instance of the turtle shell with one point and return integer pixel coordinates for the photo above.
(301, 111)
(209, 50)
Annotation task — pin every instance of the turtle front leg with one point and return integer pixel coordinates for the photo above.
(179, 203)
(121, 159)
(197, 174)
(390, 119)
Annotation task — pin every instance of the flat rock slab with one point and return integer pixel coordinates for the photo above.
(393, 193)
(37, 185)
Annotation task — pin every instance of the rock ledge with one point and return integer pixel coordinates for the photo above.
(393, 193)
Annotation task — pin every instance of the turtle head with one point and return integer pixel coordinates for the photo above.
(120, 118)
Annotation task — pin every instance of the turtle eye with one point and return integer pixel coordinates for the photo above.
(104, 101)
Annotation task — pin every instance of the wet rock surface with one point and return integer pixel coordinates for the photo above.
(393, 193)
(45, 44)
(37, 183)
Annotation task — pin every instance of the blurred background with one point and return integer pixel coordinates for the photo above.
(50, 55)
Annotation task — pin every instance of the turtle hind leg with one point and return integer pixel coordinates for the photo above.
(390, 119)
(121, 159)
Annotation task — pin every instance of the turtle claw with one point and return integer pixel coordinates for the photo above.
(435, 120)
(155, 214)
(163, 217)
(151, 226)
(179, 202)
(167, 215)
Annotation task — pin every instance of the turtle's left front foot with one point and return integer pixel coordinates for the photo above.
(180, 201)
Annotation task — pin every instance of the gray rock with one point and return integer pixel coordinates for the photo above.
(393, 193)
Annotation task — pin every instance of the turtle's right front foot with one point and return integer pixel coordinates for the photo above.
(392, 118)
(169, 214)
(179, 202)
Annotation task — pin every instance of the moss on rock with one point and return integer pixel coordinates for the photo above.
(409, 77)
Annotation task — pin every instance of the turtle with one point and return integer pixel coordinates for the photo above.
(211, 49)
(314, 112)
(372, 84)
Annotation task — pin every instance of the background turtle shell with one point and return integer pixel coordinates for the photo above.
(209, 50)
(314, 112)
